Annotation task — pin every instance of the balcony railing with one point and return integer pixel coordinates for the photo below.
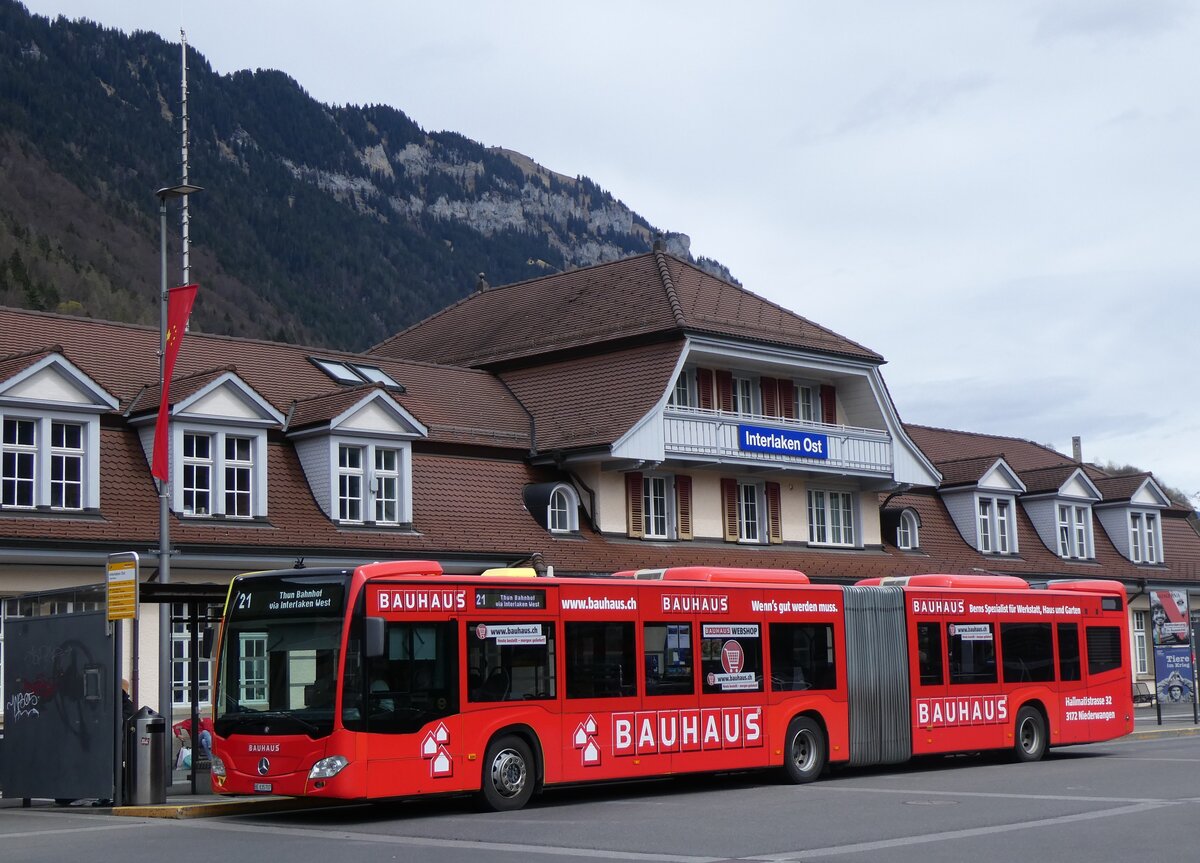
(776, 441)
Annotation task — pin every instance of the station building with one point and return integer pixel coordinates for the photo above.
(635, 414)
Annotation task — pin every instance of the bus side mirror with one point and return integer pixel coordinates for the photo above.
(207, 640)
(374, 646)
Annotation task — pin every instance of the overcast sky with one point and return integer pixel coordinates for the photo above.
(999, 197)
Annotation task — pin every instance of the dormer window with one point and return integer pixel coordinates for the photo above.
(218, 473)
(369, 481)
(908, 531)
(34, 474)
(1074, 532)
(1145, 538)
(995, 526)
(562, 512)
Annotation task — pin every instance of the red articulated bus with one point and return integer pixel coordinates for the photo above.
(396, 679)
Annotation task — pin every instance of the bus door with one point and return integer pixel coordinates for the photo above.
(1105, 667)
(409, 705)
(600, 734)
(1068, 724)
(928, 673)
(975, 712)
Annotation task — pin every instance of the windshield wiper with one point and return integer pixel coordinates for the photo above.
(251, 717)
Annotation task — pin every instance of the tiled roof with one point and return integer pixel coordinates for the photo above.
(16, 363)
(1118, 488)
(1047, 479)
(593, 400)
(966, 471)
(458, 405)
(943, 445)
(637, 297)
(181, 388)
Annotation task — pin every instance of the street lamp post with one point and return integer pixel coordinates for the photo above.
(164, 486)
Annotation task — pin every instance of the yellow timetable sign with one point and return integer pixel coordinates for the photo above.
(122, 591)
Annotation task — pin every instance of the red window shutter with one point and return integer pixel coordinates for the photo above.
(828, 404)
(774, 515)
(725, 391)
(787, 399)
(704, 388)
(729, 508)
(633, 505)
(770, 396)
(683, 506)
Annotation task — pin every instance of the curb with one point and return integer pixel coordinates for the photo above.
(219, 807)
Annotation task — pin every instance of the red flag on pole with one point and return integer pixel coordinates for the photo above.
(179, 309)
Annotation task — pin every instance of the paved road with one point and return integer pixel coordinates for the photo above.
(1132, 799)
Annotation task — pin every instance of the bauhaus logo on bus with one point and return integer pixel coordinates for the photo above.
(420, 599)
(967, 710)
(688, 603)
(657, 731)
(783, 442)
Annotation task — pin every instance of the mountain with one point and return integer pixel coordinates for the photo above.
(325, 225)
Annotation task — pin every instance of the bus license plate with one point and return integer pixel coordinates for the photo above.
(262, 786)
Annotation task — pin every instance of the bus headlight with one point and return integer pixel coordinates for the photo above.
(217, 767)
(327, 768)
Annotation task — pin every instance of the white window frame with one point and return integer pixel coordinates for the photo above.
(385, 485)
(751, 512)
(1139, 642)
(378, 484)
(20, 481)
(216, 463)
(658, 505)
(997, 533)
(238, 471)
(181, 664)
(804, 403)
(908, 531)
(62, 455)
(562, 510)
(43, 456)
(1074, 531)
(252, 650)
(1145, 537)
(743, 395)
(681, 394)
(351, 483)
(831, 518)
(197, 465)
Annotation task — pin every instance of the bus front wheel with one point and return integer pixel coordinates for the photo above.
(508, 774)
(804, 752)
(1030, 741)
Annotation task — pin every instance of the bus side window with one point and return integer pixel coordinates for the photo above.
(667, 655)
(802, 657)
(1027, 650)
(929, 653)
(1068, 651)
(1103, 649)
(972, 648)
(600, 660)
(510, 661)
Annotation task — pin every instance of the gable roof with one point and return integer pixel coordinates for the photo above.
(649, 296)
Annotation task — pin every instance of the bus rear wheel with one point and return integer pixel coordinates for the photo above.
(804, 751)
(508, 777)
(1029, 742)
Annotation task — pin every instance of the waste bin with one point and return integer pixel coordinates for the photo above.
(149, 750)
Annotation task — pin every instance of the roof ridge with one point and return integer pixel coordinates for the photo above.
(664, 273)
(989, 435)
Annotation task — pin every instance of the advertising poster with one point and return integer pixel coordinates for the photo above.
(1171, 624)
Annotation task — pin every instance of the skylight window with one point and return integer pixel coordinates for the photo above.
(355, 373)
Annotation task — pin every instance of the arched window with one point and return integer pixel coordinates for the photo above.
(908, 530)
(562, 510)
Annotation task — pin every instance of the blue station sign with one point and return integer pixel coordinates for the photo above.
(800, 444)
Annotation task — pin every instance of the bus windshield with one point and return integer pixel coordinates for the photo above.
(279, 655)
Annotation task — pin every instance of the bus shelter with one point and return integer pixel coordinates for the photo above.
(63, 736)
